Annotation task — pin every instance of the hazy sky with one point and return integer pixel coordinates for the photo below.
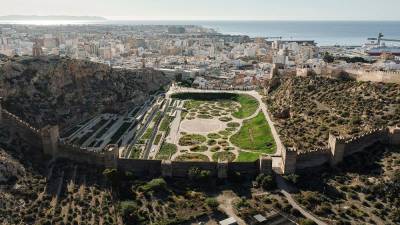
(210, 9)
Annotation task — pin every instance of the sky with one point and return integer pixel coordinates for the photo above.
(209, 9)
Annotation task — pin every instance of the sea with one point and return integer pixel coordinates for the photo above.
(354, 33)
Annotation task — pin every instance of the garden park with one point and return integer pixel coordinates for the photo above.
(219, 126)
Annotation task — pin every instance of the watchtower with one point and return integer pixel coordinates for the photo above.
(222, 169)
(265, 164)
(50, 136)
(289, 160)
(337, 145)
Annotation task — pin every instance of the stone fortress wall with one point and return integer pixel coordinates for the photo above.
(47, 139)
(375, 76)
(19, 127)
(338, 148)
(358, 74)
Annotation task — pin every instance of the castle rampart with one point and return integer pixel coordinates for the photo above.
(338, 148)
(48, 138)
(375, 76)
(312, 158)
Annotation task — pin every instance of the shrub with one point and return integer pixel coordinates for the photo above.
(154, 185)
(130, 213)
(212, 203)
(292, 178)
(306, 222)
(199, 175)
(265, 181)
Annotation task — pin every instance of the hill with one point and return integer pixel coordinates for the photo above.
(307, 109)
(53, 90)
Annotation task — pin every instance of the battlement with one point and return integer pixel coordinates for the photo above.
(18, 120)
(374, 132)
(315, 151)
(375, 75)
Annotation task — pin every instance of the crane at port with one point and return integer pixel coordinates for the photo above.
(380, 39)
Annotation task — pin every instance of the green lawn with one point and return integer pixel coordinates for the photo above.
(135, 153)
(166, 151)
(248, 156)
(255, 135)
(148, 133)
(249, 106)
(165, 123)
(157, 139)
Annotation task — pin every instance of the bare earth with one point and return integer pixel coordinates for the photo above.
(202, 126)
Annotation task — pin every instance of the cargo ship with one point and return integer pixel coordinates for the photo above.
(377, 47)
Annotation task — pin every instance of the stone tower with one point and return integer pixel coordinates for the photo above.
(166, 168)
(111, 156)
(289, 160)
(50, 136)
(337, 145)
(265, 164)
(1, 110)
(222, 169)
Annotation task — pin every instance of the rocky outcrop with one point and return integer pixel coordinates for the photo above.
(10, 169)
(53, 90)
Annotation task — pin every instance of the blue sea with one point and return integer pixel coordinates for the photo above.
(323, 32)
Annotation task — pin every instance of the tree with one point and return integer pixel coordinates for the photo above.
(266, 181)
(328, 58)
(196, 174)
(306, 222)
(212, 203)
(293, 178)
(113, 176)
(130, 213)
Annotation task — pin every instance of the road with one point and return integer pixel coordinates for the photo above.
(286, 189)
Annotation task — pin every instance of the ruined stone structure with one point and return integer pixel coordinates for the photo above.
(339, 148)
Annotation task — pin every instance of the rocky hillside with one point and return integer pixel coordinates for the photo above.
(307, 109)
(62, 90)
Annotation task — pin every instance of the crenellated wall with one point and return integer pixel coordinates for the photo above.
(339, 147)
(375, 76)
(359, 143)
(313, 158)
(19, 127)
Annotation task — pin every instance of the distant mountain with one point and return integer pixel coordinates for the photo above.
(34, 17)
